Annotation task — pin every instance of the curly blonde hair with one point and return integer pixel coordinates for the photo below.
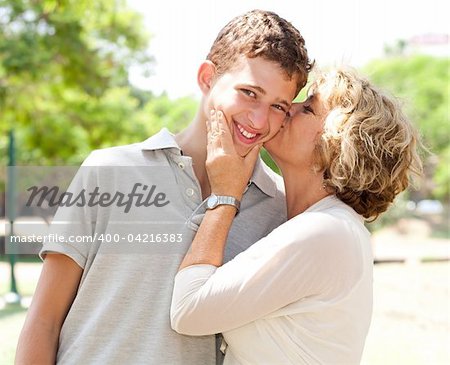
(368, 149)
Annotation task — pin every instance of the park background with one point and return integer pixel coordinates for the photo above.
(82, 75)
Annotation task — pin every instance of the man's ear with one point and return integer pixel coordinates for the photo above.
(205, 76)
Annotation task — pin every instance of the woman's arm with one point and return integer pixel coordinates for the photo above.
(311, 256)
(209, 242)
(55, 292)
(228, 175)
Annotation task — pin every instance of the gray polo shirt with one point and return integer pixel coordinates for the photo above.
(121, 312)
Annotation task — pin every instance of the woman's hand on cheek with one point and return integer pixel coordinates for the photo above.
(228, 172)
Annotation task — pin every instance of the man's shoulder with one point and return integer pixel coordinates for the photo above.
(115, 156)
(135, 154)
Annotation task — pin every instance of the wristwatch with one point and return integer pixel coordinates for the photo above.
(214, 201)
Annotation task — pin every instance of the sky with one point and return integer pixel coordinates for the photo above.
(336, 32)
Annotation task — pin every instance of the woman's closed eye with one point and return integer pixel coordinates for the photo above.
(308, 109)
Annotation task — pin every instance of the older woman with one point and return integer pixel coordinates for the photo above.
(303, 294)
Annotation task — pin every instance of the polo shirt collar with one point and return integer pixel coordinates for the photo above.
(263, 178)
(161, 140)
(262, 175)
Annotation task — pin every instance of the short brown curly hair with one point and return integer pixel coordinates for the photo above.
(260, 33)
(368, 150)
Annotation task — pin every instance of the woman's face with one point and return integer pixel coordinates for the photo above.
(296, 141)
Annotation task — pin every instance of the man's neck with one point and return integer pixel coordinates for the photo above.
(192, 141)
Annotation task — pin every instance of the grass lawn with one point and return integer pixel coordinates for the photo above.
(11, 321)
(13, 316)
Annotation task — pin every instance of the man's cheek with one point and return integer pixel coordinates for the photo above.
(230, 123)
(222, 108)
(267, 137)
(274, 129)
(241, 151)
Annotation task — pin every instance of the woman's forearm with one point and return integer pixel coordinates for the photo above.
(228, 174)
(209, 243)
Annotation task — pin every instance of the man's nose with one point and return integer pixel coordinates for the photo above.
(259, 117)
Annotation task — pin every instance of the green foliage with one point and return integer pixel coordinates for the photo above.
(269, 161)
(76, 43)
(442, 174)
(422, 82)
(172, 115)
(64, 80)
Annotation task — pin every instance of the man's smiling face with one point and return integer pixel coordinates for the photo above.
(254, 96)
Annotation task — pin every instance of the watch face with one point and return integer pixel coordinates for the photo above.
(212, 202)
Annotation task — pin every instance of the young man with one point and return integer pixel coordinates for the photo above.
(94, 306)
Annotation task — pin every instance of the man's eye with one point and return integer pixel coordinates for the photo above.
(248, 92)
(280, 108)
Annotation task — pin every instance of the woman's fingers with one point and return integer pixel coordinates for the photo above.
(228, 172)
(214, 123)
(214, 144)
(225, 134)
(219, 134)
(208, 128)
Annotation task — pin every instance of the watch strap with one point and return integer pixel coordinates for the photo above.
(229, 200)
(223, 200)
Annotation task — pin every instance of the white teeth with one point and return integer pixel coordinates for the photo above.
(245, 133)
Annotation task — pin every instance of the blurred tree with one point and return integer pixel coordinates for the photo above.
(442, 174)
(172, 115)
(422, 82)
(398, 49)
(64, 79)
